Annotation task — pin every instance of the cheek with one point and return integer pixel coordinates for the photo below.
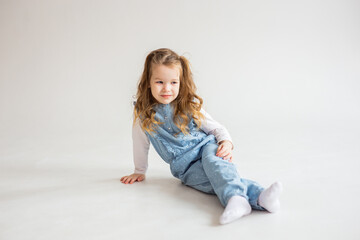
(177, 90)
(153, 90)
(157, 88)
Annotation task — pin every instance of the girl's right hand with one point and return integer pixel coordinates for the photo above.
(133, 178)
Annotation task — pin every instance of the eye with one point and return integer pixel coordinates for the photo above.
(159, 82)
(174, 82)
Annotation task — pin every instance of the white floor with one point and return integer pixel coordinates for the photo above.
(73, 192)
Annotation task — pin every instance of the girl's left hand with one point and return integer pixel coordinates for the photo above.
(225, 150)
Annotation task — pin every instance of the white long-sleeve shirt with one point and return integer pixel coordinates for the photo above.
(141, 142)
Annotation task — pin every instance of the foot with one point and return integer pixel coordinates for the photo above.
(236, 208)
(269, 198)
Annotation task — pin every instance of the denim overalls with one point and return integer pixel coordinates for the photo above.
(192, 159)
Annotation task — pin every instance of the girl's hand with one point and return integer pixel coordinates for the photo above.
(225, 150)
(133, 178)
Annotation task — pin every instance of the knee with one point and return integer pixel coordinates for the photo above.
(209, 150)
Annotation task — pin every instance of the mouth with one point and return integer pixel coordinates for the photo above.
(165, 96)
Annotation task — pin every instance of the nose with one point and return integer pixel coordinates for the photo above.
(167, 86)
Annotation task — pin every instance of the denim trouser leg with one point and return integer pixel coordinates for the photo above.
(225, 180)
(253, 192)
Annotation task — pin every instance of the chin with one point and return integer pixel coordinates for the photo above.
(165, 101)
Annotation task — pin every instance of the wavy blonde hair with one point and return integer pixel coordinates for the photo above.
(186, 105)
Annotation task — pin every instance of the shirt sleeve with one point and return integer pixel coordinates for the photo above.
(210, 126)
(141, 146)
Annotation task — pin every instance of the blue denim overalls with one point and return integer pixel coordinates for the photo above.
(192, 159)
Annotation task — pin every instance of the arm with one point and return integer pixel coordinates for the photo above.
(141, 146)
(210, 126)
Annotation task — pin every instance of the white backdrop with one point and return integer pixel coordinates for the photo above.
(71, 67)
(282, 76)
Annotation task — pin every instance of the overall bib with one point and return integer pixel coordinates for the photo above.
(192, 159)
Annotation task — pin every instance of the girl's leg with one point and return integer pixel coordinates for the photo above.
(253, 192)
(225, 179)
(236, 207)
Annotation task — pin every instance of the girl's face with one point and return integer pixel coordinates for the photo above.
(165, 83)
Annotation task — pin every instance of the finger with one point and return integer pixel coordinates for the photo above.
(224, 150)
(219, 148)
(220, 153)
(132, 180)
(224, 153)
(140, 178)
(127, 180)
(227, 156)
(124, 179)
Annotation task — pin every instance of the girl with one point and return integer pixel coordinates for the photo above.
(168, 113)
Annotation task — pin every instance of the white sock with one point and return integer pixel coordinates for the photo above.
(269, 198)
(236, 208)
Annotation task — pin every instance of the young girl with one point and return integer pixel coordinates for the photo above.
(169, 114)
